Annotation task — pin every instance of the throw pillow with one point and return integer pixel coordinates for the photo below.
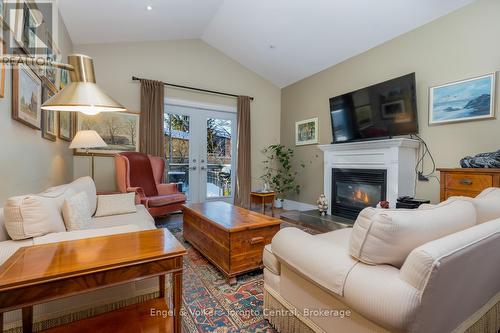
(76, 212)
(115, 204)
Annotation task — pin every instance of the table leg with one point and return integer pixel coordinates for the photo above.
(177, 296)
(28, 319)
(161, 279)
(272, 207)
(1, 322)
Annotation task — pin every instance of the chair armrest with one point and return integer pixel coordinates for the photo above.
(166, 189)
(325, 263)
(139, 194)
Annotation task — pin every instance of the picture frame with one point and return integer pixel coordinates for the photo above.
(120, 130)
(50, 123)
(26, 85)
(306, 132)
(2, 66)
(465, 100)
(66, 124)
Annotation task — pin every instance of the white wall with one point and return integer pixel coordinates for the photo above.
(29, 163)
(187, 62)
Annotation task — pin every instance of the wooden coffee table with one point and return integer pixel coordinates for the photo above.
(41, 273)
(232, 238)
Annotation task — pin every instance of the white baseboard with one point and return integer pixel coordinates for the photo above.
(295, 205)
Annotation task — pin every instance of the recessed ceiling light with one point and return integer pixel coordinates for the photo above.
(149, 7)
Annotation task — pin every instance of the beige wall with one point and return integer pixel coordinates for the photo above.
(29, 163)
(188, 62)
(461, 45)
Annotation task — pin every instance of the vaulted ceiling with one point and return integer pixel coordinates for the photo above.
(282, 40)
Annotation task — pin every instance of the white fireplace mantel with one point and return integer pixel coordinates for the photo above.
(397, 156)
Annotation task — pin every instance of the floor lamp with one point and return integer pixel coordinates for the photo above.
(86, 140)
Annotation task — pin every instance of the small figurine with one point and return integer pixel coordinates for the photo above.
(322, 203)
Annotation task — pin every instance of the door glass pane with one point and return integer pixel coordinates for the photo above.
(177, 150)
(219, 144)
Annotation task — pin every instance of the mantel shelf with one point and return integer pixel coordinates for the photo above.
(373, 144)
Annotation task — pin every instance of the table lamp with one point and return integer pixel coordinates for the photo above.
(86, 140)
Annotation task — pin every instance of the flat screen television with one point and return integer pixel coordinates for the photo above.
(380, 111)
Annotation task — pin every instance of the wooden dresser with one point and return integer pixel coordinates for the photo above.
(467, 182)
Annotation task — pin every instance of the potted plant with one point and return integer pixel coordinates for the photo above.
(279, 173)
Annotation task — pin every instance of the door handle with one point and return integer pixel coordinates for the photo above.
(256, 240)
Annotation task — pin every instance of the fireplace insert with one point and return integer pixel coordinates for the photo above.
(355, 189)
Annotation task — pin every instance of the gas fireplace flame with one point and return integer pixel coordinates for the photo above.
(362, 196)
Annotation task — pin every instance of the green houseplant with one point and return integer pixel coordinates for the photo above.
(279, 173)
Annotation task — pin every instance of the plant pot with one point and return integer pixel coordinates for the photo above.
(278, 203)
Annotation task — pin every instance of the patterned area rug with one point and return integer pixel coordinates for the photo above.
(212, 305)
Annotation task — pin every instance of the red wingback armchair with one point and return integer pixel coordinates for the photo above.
(143, 174)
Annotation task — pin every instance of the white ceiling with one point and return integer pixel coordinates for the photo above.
(282, 40)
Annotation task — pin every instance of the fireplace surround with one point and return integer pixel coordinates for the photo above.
(397, 157)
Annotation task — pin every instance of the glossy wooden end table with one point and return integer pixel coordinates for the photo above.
(41, 273)
(263, 198)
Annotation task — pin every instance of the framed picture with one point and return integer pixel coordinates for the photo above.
(2, 66)
(467, 100)
(306, 132)
(49, 118)
(119, 130)
(26, 97)
(63, 80)
(66, 125)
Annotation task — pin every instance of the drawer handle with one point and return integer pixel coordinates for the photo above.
(256, 240)
(466, 181)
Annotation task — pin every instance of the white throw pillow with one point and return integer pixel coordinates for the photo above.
(115, 204)
(76, 212)
(83, 184)
(35, 215)
(487, 205)
(387, 236)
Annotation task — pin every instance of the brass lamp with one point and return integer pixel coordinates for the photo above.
(86, 140)
(82, 94)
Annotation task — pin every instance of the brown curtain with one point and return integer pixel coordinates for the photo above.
(243, 175)
(151, 121)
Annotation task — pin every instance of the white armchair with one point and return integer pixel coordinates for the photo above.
(429, 270)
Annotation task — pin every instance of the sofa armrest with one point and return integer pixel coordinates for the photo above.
(324, 263)
(166, 189)
(139, 194)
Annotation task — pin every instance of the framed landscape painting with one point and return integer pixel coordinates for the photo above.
(306, 132)
(66, 126)
(467, 100)
(49, 118)
(26, 97)
(119, 130)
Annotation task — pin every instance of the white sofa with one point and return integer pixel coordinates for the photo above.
(80, 306)
(435, 269)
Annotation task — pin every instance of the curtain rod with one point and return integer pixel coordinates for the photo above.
(135, 78)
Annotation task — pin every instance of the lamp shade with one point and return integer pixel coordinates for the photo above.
(82, 94)
(86, 140)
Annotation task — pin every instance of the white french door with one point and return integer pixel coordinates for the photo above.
(200, 150)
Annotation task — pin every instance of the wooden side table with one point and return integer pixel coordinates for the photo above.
(42, 273)
(263, 198)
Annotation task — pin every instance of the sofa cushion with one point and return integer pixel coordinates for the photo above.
(320, 261)
(81, 234)
(35, 214)
(140, 218)
(115, 204)
(9, 247)
(83, 184)
(270, 261)
(163, 200)
(3, 232)
(384, 236)
(487, 205)
(76, 212)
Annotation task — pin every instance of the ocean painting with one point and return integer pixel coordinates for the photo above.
(471, 99)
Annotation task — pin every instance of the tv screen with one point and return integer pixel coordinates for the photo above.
(383, 110)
